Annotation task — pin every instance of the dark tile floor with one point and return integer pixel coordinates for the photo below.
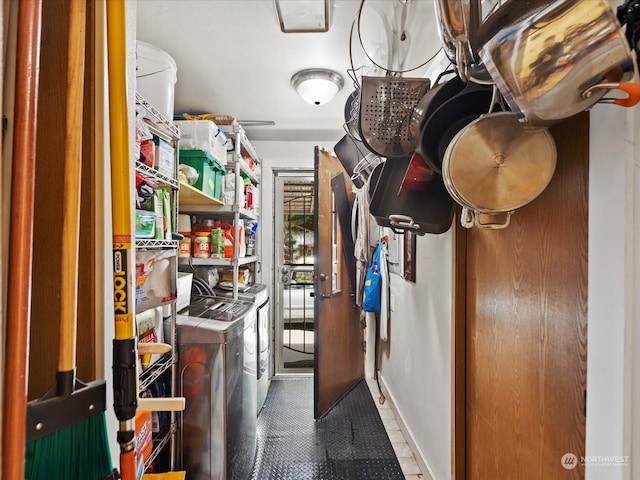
(348, 443)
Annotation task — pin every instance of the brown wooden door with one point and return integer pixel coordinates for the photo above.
(526, 330)
(339, 362)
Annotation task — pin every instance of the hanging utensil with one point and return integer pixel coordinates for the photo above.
(458, 23)
(387, 103)
(439, 92)
(386, 107)
(395, 36)
(496, 165)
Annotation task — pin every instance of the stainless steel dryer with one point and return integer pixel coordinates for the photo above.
(217, 377)
(259, 296)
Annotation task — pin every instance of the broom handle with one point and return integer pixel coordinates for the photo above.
(21, 240)
(125, 376)
(71, 197)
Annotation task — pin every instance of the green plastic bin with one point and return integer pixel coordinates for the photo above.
(219, 178)
(207, 167)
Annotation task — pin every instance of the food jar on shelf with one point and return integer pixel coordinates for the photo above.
(202, 245)
(184, 247)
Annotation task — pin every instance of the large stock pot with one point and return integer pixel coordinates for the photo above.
(495, 165)
(549, 63)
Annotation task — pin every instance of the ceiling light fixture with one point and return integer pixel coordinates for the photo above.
(317, 85)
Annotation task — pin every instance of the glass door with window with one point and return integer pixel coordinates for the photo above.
(294, 251)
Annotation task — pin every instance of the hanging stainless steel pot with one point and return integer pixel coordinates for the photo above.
(495, 165)
(547, 64)
(458, 23)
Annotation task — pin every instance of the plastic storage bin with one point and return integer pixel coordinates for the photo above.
(145, 224)
(210, 172)
(203, 135)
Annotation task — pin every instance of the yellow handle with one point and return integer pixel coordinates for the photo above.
(121, 174)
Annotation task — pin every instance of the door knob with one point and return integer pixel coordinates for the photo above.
(324, 296)
(323, 277)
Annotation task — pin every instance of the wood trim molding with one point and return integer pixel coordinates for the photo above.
(458, 350)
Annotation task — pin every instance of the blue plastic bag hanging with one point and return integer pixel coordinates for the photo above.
(373, 284)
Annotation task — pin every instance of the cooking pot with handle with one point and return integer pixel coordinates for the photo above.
(458, 24)
(495, 165)
(548, 64)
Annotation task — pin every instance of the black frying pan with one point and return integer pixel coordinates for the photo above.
(439, 93)
(451, 116)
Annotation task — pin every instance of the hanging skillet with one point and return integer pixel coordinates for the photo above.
(496, 165)
(465, 104)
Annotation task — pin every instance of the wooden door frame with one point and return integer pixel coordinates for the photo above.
(280, 176)
(458, 351)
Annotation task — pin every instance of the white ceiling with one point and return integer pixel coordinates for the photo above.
(232, 58)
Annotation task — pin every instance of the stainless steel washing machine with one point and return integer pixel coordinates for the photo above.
(259, 296)
(217, 376)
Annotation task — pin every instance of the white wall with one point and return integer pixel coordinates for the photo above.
(614, 238)
(416, 363)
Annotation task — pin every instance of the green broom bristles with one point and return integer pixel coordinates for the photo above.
(77, 452)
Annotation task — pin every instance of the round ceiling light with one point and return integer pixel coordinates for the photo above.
(317, 85)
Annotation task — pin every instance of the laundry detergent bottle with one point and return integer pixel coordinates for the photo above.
(227, 231)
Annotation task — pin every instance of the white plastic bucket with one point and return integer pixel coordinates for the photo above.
(156, 77)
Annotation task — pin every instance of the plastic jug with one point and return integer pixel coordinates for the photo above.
(227, 230)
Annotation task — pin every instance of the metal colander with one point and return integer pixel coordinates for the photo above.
(386, 107)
